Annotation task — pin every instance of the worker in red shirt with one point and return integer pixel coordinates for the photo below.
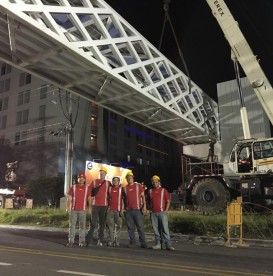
(115, 212)
(78, 200)
(99, 193)
(135, 210)
(159, 202)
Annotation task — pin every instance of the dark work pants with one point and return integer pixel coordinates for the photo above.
(98, 217)
(135, 219)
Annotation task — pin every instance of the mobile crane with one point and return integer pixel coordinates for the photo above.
(251, 159)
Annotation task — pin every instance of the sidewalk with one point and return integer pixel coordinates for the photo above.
(176, 238)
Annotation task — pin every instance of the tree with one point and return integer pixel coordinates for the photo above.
(6, 156)
(46, 191)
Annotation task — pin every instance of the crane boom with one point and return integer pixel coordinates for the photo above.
(244, 55)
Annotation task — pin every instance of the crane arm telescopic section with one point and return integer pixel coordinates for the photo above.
(244, 55)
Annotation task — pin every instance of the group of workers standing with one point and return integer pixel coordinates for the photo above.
(107, 203)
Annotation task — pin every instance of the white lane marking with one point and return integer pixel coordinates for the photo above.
(5, 264)
(78, 273)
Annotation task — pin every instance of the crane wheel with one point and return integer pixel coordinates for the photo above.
(210, 197)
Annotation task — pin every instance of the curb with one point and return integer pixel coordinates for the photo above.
(176, 238)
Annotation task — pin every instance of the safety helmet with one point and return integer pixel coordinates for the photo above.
(103, 169)
(156, 177)
(130, 173)
(81, 175)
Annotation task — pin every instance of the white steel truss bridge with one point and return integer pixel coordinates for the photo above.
(87, 48)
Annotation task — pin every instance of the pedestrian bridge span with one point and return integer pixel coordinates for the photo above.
(87, 48)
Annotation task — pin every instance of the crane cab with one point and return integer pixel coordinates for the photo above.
(252, 156)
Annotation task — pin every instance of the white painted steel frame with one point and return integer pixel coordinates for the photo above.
(84, 46)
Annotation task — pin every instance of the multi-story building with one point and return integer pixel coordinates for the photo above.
(33, 122)
(35, 116)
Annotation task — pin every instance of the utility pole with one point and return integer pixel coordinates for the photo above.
(69, 148)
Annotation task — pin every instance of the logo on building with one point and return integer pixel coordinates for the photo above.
(89, 165)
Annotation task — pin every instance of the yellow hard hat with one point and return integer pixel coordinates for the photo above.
(156, 177)
(129, 174)
(103, 169)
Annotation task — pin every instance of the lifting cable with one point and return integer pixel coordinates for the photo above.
(167, 18)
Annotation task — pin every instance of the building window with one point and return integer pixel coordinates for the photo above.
(20, 138)
(139, 149)
(41, 136)
(5, 69)
(113, 152)
(6, 103)
(4, 85)
(113, 128)
(24, 138)
(127, 133)
(22, 117)
(25, 78)
(3, 122)
(138, 137)
(113, 116)
(43, 91)
(113, 140)
(23, 98)
(139, 161)
(17, 139)
(42, 111)
(127, 145)
(2, 139)
(126, 121)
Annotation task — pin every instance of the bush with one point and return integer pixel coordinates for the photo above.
(37, 216)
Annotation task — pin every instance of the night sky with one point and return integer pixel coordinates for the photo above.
(206, 52)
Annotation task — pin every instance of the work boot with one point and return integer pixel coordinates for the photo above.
(82, 244)
(99, 243)
(157, 246)
(116, 244)
(131, 245)
(70, 244)
(170, 248)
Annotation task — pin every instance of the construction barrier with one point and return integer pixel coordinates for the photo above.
(29, 203)
(2, 200)
(9, 203)
(235, 219)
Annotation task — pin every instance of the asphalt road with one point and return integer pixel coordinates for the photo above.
(32, 252)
